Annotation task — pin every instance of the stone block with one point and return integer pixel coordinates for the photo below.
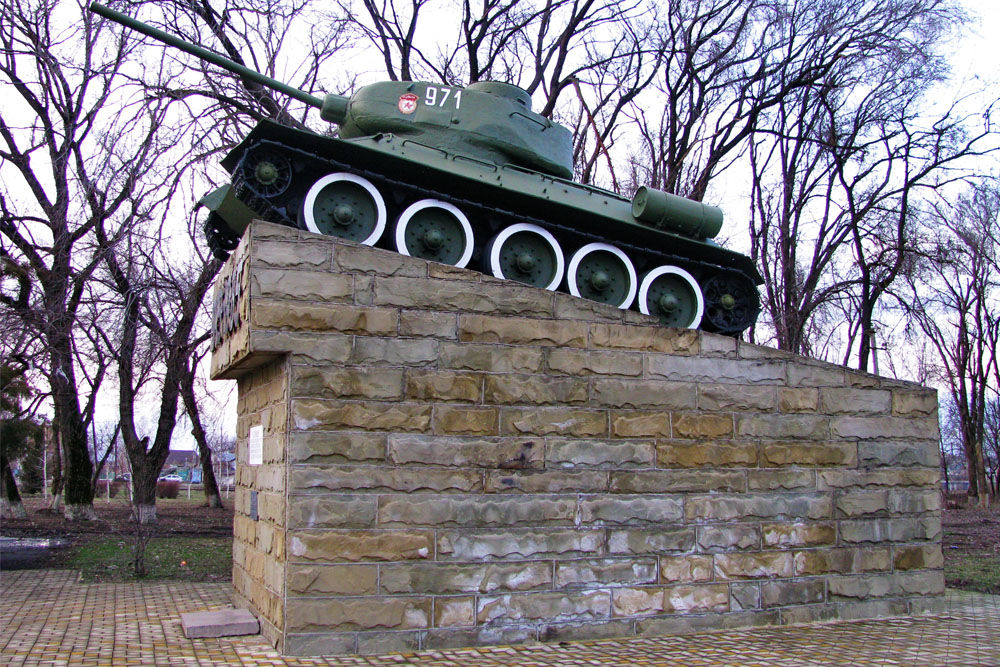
(547, 481)
(701, 454)
(643, 394)
(559, 421)
(424, 324)
(899, 454)
(309, 348)
(924, 556)
(697, 426)
(762, 565)
(730, 507)
(640, 424)
(732, 397)
(781, 480)
(332, 511)
(828, 453)
(885, 530)
(842, 561)
(461, 420)
(651, 339)
(728, 538)
(467, 452)
(495, 298)
(567, 307)
(913, 501)
(473, 511)
(921, 402)
(493, 358)
(454, 611)
(319, 447)
(884, 428)
(301, 316)
(371, 479)
(715, 371)
(451, 578)
(862, 503)
(579, 363)
(868, 479)
(370, 643)
(365, 259)
(302, 285)
(659, 626)
(315, 414)
(521, 331)
(686, 569)
(630, 510)
(550, 607)
(805, 375)
(291, 254)
(677, 481)
(359, 383)
(593, 573)
(716, 345)
(787, 535)
(336, 546)
(479, 636)
(651, 541)
(849, 401)
(449, 386)
(744, 596)
(395, 351)
(347, 614)
(325, 580)
(221, 623)
(798, 399)
(519, 544)
(684, 599)
(781, 426)
(788, 593)
(534, 390)
(565, 632)
(844, 611)
(578, 453)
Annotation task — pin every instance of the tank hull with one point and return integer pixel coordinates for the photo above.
(492, 197)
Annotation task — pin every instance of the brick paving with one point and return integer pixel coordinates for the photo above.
(48, 618)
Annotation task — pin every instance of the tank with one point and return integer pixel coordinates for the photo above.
(472, 177)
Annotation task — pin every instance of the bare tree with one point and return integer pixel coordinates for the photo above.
(953, 305)
(72, 154)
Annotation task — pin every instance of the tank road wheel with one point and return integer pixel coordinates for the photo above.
(602, 272)
(673, 295)
(731, 303)
(528, 254)
(346, 206)
(266, 172)
(435, 230)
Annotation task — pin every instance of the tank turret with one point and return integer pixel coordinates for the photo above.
(471, 176)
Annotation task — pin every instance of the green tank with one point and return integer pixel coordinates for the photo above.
(472, 177)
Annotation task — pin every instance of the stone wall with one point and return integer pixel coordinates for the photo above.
(453, 460)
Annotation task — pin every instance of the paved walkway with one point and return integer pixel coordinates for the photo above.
(48, 618)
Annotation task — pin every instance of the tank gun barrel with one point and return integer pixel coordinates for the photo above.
(333, 107)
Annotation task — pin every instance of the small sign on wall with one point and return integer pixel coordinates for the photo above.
(255, 449)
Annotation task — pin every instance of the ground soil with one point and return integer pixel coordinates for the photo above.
(970, 534)
(178, 517)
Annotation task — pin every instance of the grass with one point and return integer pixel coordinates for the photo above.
(177, 558)
(976, 571)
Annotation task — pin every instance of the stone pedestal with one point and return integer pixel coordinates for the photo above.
(429, 457)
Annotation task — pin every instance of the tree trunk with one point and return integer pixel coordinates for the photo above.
(144, 475)
(211, 487)
(11, 506)
(55, 501)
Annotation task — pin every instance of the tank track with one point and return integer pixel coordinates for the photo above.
(490, 216)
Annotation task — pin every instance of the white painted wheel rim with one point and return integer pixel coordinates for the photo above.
(317, 187)
(413, 209)
(502, 237)
(579, 255)
(651, 277)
